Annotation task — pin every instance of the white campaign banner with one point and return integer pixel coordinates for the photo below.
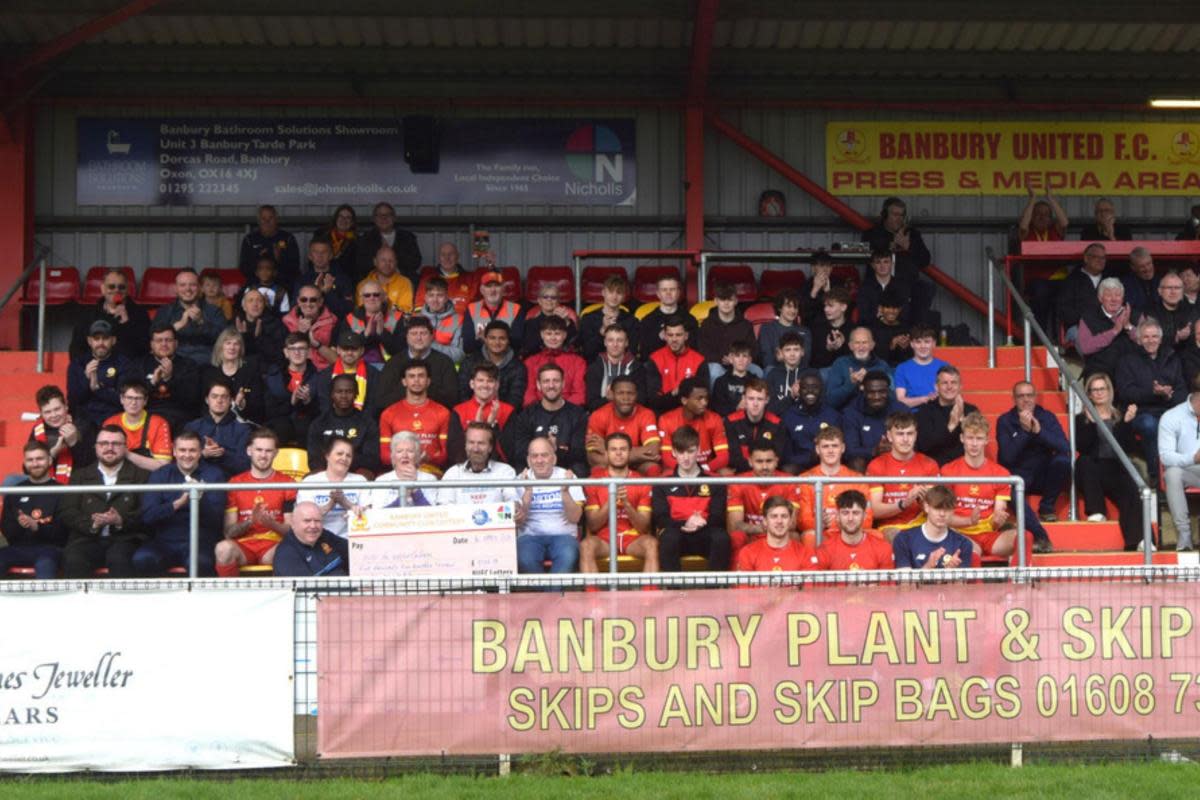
(422, 541)
(139, 681)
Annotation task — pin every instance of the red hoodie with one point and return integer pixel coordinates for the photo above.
(573, 368)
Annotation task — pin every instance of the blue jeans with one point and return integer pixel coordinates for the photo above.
(155, 558)
(43, 558)
(533, 550)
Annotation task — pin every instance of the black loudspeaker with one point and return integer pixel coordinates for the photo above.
(421, 143)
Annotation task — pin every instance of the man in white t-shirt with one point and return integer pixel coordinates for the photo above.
(407, 454)
(479, 441)
(548, 517)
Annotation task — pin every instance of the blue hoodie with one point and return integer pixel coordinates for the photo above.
(839, 389)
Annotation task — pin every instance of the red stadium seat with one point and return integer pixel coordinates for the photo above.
(62, 286)
(512, 283)
(95, 279)
(773, 281)
(158, 286)
(848, 275)
(232, 281)
(646, 278)
(427, 271)
(539, 276)
(740, 275)
(593, 278)
(760, 314)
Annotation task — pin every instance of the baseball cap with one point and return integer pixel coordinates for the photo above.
(100, 327)
(351, 340)
(492, 277)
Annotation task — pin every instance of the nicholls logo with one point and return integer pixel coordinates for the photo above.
(594, 155)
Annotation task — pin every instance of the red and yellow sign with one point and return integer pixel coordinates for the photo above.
(1003, 158)
(766, 668)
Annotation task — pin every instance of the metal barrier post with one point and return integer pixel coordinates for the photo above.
(1019, 501)
(702, 277)
(1008, 304)
(819, 509)
(1073, 514)
(1147, 521)
(578, 268)
(613, 535)
(991, 312)
(1028, 332)
(193, 532)
(41, 317)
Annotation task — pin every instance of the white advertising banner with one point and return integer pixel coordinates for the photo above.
(422, 541)
(140, 681)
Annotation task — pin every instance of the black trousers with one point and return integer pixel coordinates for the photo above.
(82, 557)
(1098, 478)
(709, 541)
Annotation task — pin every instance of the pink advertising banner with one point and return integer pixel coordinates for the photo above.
(742, 669)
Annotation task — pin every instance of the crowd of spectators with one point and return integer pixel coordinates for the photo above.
(381, 372)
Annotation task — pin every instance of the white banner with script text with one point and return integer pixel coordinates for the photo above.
(144, 681)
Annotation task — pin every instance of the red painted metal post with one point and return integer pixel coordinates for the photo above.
(16, 223)
(694, 179)
(702, 38)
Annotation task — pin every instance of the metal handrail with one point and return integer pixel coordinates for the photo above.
(579, 256)
(1075, 393)
(194, 490)
(40, 253)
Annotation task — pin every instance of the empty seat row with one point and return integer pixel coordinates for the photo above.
(157, 286)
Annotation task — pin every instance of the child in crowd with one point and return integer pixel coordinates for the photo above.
(916, 377)
(893, 342)
(787, 318)
(214, 293)
(265, 281)
(831, 334)
(784, 377)
(728, 389)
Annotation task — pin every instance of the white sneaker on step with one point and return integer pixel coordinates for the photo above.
(1097, 518)
(1142, 547)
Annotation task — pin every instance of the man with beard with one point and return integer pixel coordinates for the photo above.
(30, 523)
(105, 529)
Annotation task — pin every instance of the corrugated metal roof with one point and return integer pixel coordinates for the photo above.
(752, 40)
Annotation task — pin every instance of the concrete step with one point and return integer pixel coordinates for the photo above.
(964, 357)
(1002, 379)
(997, 402)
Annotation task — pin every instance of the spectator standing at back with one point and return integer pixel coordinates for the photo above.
(270, 240)
(196, 322)
(342, 235)
(386, 234)
(896, 234)
(1043, 221)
